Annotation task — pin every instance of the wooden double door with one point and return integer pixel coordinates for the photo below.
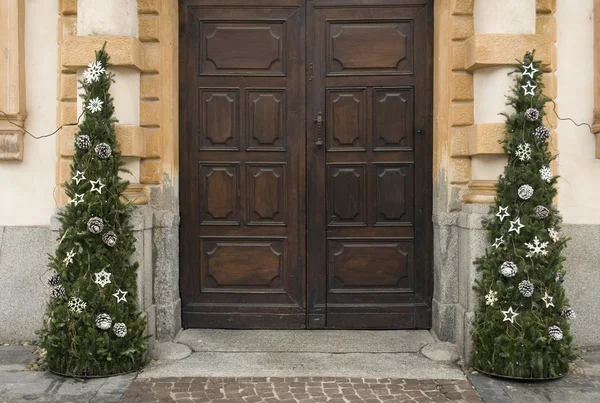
(305, 173)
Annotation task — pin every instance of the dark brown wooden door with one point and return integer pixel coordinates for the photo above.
(369, 199)
(243, 163)
(277, 230)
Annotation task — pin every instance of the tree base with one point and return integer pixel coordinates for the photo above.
(516, 378)
(93, 376)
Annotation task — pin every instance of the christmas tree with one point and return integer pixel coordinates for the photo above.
(521, 329)
(93, 325)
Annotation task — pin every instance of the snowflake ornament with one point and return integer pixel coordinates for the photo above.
(92, 74)
(523, 152)
(76, 305)
(546, 174)
(69, 259)
(525, 192)
(554, 235)
(97, 186)
(516, 226)
(537, 248)
(79, 176)
(547, 300)
(491, 297)
(502, 213)
(102, 278)
(498, 242)
(120, 296)
(512, 314)
(95, 105)
(529, 88)
(529, 70)
(78, 199)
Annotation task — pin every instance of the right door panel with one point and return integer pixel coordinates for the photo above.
(369, 67)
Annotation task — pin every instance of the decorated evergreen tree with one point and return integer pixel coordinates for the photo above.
(522, 329)
(93, 325)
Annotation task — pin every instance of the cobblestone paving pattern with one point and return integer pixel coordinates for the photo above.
(303, 390)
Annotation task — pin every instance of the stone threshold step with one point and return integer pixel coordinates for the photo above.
(309, 341)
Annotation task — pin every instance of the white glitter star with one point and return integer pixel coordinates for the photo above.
(102, 278)
(99, 185)
(531, 72)
(516, 226)
(502, 213)
(498, 242)
(509, 312)
(78, 177)
(529, 88)
(548, 300)
(78, 199)
(69, 259)
(120, 295)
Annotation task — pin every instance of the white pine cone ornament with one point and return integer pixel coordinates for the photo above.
(120, 329)
(525, 192)
(555, 332)
(103, 150)
(95, 225)
(532, 114)
(526, 288)
(508, 269)
(541, 212)
(83, 142)
(103, 321)
(58, 292)
(542, 133)
(54, 280)
(569, 313)
(110, 238)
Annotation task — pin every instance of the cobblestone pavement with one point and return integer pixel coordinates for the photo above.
(303, 390)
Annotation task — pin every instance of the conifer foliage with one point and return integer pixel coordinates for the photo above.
(93, 325)
(521, 329)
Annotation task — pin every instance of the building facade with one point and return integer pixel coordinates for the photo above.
(297, 163)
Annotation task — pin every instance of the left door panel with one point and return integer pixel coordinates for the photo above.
(242, 163)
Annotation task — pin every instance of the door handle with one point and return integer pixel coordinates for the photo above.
(319, 119)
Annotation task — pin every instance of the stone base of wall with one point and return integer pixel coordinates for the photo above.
(23, 274)
(458, 240)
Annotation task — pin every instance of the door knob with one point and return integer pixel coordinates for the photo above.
(319, 119)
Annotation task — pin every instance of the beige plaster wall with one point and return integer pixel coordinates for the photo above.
(579, 187)
(505, 16)
(491, 85)
(30, 184)
(107, 17)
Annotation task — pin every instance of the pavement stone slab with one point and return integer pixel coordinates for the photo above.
(376, 365)
(298, 389)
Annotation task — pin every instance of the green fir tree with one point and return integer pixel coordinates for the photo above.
(93, 325)
(522, 272)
